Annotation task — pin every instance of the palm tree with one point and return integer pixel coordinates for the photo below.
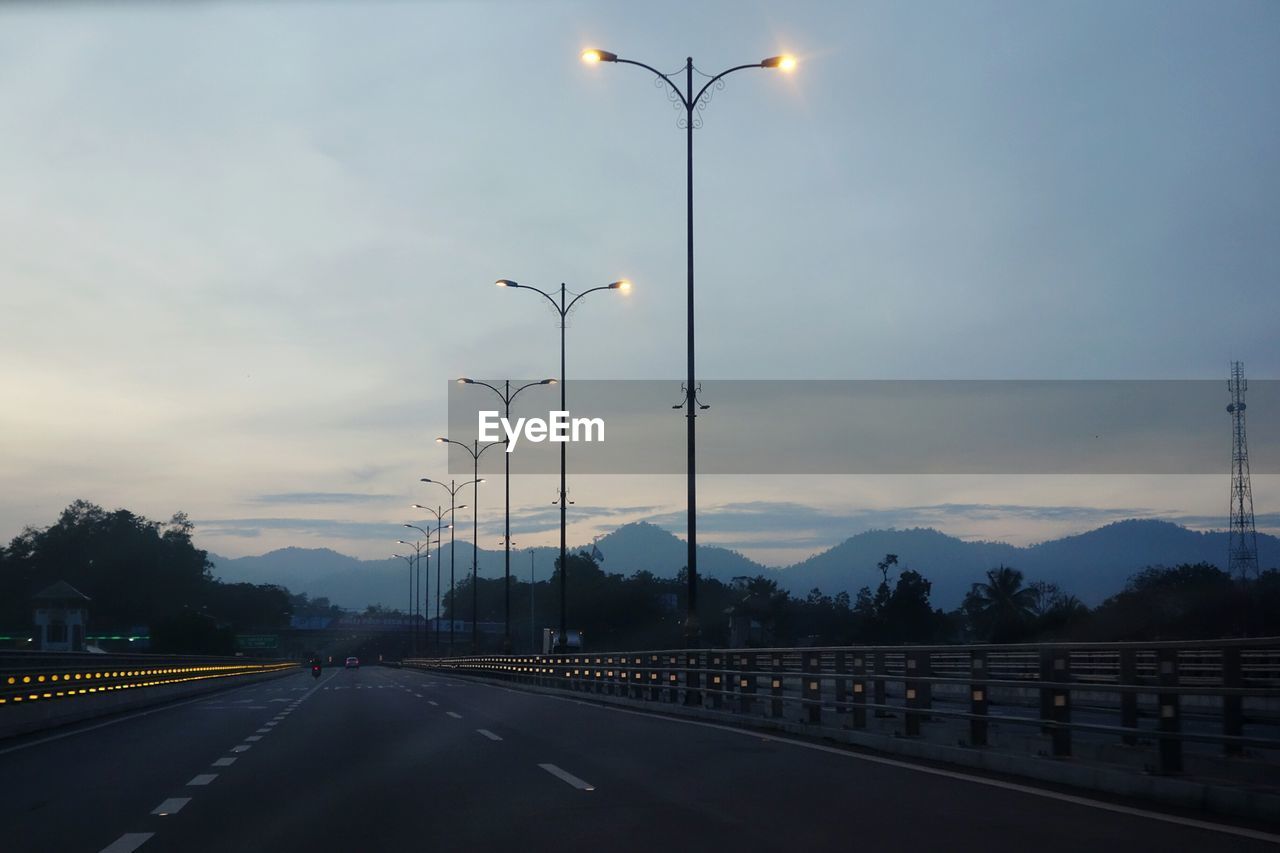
(1001, 609)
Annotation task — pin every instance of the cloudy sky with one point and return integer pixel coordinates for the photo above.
(243, 246)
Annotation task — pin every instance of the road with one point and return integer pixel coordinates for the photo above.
(381, 759)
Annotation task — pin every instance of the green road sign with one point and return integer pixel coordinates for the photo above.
(257, 641)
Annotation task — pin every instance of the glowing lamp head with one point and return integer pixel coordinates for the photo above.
(465, 381)
(506, 282)
(592, 55)
(623, 285)
(785, 62)
(440, 439)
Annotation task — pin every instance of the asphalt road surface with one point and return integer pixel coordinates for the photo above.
(385, 760)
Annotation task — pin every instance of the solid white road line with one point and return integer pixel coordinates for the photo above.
(128, 842)
(225, 762)
(566, 776)
(203, 779)
(454, 714)
(490, 735)
(173, 805)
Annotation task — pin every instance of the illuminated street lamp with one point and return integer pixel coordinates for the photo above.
(563, 308)
(693, 105)
(506, 395)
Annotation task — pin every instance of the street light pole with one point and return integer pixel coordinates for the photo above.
(563, 308)
(693, 106)
(409, 563)
(476, 451)
(423, 584)
(506, 395)
(439, 513)
(453, 488)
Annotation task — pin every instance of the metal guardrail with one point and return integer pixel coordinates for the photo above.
(1228, 682)
(27, 677)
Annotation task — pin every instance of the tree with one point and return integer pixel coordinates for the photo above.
(136, 572)
(1189, 601)
(1000, 610)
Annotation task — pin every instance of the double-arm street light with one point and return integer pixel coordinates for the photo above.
(424, 585)
(563, 308)
(693, 105)
(452, 488)
(506, 395)
(476, 449)
(439, 513)
(415, 573)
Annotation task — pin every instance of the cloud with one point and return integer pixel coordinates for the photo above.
(320, 527)
(322, 498)
(532, 520)
(780, 523)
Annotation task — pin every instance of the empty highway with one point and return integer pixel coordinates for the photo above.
(381, 759)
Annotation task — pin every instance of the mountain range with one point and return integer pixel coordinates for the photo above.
(1091, 565)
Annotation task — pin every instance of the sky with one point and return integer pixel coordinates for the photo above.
(245, 246)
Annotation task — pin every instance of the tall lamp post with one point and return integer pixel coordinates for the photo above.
(439, 513)
(415, 582)
(693, 105)
(563, 308)
(453, 488)
(476, 449)
(409, 562)
(506, 395)
(424, 585)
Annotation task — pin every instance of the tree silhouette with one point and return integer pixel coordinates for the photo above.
(1000, 609)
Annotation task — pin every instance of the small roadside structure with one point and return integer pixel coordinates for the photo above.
(61, 618)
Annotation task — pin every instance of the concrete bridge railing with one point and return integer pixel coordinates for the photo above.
(1149, 706)
(40, 690)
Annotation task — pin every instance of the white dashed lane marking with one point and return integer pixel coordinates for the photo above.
(173, 805)
(490, 735)
(203, 779)
(253, 738)
(566, 776)
(243, 747)
(454, 714)
(225, 762)
(128, 842)
(433, 703)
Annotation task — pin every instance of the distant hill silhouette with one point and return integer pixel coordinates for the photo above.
(1089, 565)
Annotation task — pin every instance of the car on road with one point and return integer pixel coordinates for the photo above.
(353, 662)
